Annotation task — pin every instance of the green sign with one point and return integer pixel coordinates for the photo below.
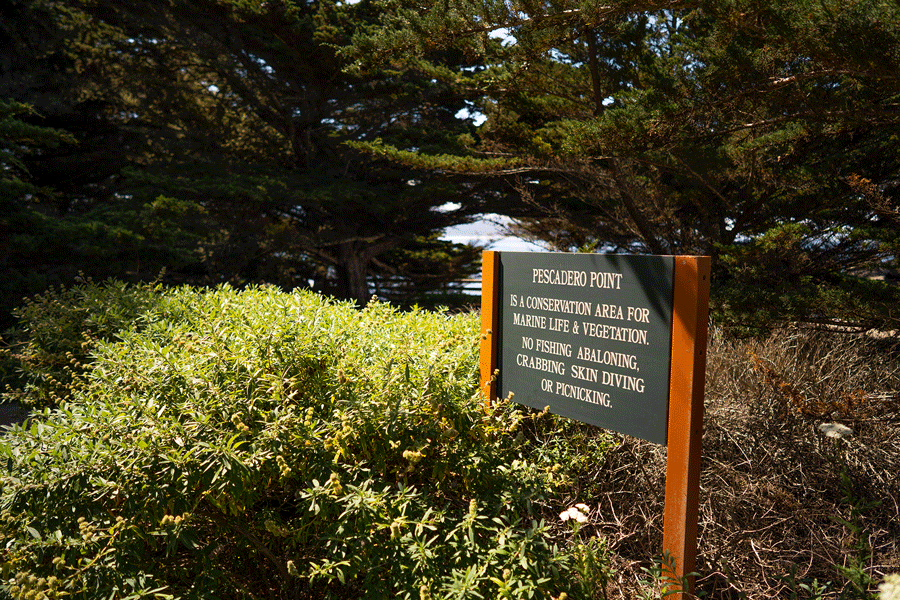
(588, 335)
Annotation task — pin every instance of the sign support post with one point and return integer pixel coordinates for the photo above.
(490, 323)
(685, 428)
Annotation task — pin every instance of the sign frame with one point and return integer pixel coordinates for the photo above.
(687, 379)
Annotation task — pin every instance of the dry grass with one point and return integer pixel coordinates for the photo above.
(771, 484)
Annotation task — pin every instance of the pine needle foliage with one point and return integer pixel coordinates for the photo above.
(683, 127)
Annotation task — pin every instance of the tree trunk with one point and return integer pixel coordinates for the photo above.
(594, 65)
(626, 192)
(352, 270)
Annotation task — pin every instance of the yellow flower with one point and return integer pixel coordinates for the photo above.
(413, 456)
(283, 466)
(395, 530)
(275, 529)
(239, 424)
(292, 569)
(335, 482)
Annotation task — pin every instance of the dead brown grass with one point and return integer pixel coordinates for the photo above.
(771, 485)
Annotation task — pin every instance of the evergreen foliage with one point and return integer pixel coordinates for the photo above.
(717, 128)
(19, 198)
(236, 114)
(323, 143)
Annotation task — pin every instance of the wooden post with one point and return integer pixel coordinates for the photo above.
(490, 322)
(685, 425)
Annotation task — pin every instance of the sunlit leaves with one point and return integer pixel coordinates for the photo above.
(277, 441)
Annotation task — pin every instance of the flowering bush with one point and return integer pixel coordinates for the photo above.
(259, 444)
(43, 358)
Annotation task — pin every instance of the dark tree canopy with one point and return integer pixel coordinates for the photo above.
(324, 143)
(763, 134)
(212, 139)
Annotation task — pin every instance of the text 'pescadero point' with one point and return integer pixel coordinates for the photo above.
(594, 279)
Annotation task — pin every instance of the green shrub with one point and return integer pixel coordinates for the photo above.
(43, 357)
(259, 444)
